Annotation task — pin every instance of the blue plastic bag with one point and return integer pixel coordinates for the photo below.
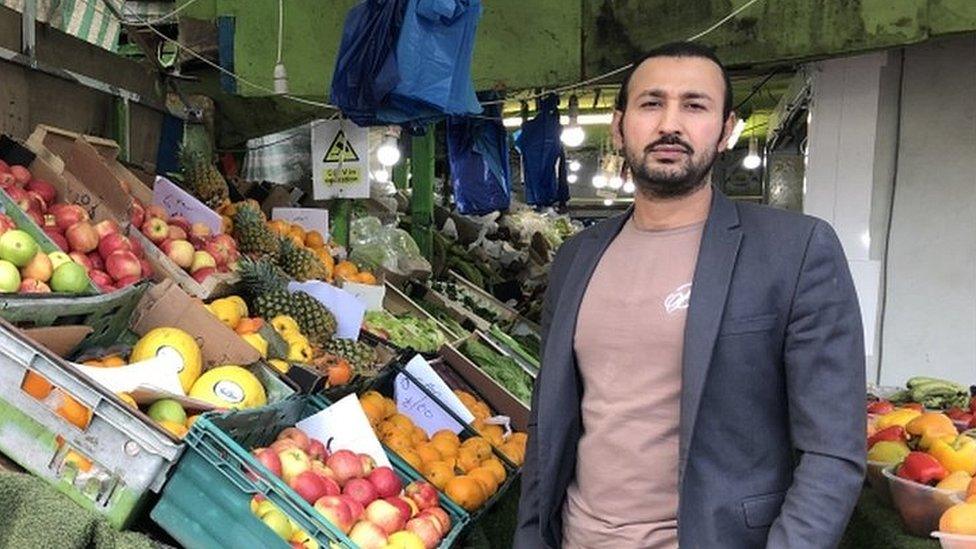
(542, 152)
(478, 154)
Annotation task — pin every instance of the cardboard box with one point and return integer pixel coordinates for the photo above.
(216, 285)
(495, 396)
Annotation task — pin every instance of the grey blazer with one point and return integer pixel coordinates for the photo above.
(772, 444)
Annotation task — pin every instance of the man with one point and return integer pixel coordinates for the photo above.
(703, 369)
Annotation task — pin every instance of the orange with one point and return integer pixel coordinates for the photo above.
(480, 447)
(112, 361)
(418, 436)
(412, 458)
(249, 325)
(400, 443)
(390, 406)
(466, 492)
(514, 452)
(365, 278)
(92, 362)
(340, 373)
(372, 396)
(494, 434)
(297, 233)
(446, 449)
(481, 410)
(373, 410)
(278, 227)
(466, 398)
(449, 436)
(438, 473)
(313, 239)
(428, 452)
(487, 479)
(403, 422)
(176, 429)
(346, 269)
(388, 428)
(467, 460)
(36, 385)
(296, 239)
(75, 412)
(226, 225)
(519, 438)
(497, 469)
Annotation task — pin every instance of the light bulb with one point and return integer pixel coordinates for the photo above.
(572, 178)
(389, 153)
(599, 181)
(608, 202)
(574, 165)
(572, 136)
(381, 175)
(615, 182)
(629, 187)
(752, 160)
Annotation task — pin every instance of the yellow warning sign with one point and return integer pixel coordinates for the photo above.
(340, 150)
(344, 176)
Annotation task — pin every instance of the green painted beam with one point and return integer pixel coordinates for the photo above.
(340, 214)
(422, 197)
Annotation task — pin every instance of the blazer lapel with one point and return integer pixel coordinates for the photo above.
(710, 287)
(559, 408)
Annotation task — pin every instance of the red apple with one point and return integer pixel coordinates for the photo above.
(367, 535)
(7, 181)
(294, 462)
(180, 251)
(122, 264)
(385, 515)
(336, 511)
(284, 444)
(57, 237)
(317, 450)
(82, 260)
(102, 280)
(368, 463)
(310, 486)
(147, 270)
(157, 211)
(200, 230)
(422, 493)
(127, 281)
(386, 482)
(36, 202)
(427, 529)
(406, 511)
(361, 490)
(440, 516)
(295, 434)
(112, 243)
(180, 222)
(324, 471)
(4, 167)
(20, 197)
(218, 248)
(177, 233)
(6, 224)
(31, 286)
(67, 215)
(43, 188)
(37, 218)
(202, 260)
(136, 246)
(39, 268)
(346, 465)
(414, 510)
(155, 230)
(106, 227)
(137, 214)
(354, 506)
(199, 242)
(21, 174)
(82, 237)
(97, 262)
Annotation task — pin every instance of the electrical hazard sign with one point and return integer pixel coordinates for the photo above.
(340, 152)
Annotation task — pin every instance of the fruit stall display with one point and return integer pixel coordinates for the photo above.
(269, 484)
(922, 457)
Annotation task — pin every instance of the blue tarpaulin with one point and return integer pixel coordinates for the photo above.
(543, 160)
(478, 153)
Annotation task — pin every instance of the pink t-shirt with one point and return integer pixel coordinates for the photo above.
(629, 343)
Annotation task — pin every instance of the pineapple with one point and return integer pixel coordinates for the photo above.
(267, 286)
(205, 181)
(253, 235)
(300, 263)
(361, 356)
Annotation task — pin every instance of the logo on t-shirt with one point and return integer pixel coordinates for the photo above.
(678, 299)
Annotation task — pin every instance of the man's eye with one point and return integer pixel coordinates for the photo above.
(650, 104)
(696, 106)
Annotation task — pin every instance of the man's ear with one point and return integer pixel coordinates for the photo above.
(727, 128)
(617, 130)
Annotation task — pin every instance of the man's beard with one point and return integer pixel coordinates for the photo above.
(671, 181)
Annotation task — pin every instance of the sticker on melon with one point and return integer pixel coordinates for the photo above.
(229, 387)
(169, 340)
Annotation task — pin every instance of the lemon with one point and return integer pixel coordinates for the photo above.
(183, 343)
(227, 311)
(284, 324)
(280, 365)
(239, 301)
(258, 342)
(229, 387)
(299, 351)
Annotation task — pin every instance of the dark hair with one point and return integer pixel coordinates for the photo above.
(679, 49)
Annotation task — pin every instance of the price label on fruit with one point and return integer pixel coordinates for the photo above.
(345, 426)
(427, 413)
(178, 202)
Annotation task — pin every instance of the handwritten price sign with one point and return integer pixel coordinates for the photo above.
(425, 412)
(176, 201)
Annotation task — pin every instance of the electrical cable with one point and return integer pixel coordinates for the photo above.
(281, 26)
(162, 18)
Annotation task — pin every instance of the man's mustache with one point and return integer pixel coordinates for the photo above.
(672, 140)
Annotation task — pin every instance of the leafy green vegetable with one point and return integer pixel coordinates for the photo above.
(419, 334)
(505, 371)
(509, 342)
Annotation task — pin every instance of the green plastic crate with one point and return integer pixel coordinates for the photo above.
(130, 458)
(384, 385)
(206, 502)
(108, 315)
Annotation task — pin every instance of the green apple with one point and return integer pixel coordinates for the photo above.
(167, 409)
(278, 521)
(58, 259)
(17, 247)
(9, 277)
(70, 278)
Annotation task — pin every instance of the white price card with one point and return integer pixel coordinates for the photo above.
(310, 219)
(425, 412)
(344, 426)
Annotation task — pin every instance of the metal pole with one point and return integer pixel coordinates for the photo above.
(422, 198)
(27, 37)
